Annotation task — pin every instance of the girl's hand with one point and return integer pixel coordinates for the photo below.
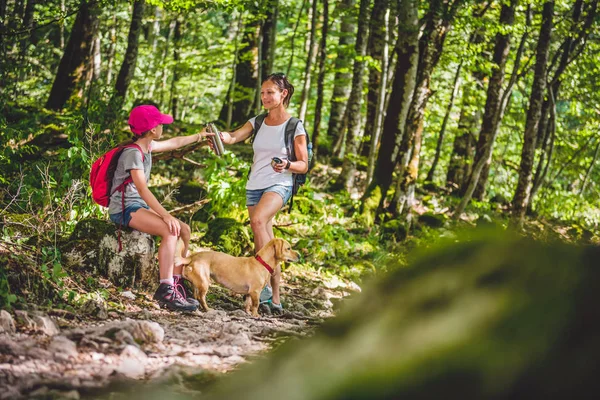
(173, 224)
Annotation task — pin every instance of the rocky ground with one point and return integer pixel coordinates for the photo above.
(60, 354)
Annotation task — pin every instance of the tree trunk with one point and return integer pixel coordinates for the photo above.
(381, 102)
(589, 170)
(175, 79)
(403, 85)
(376, 43)
(76, 58)
(269, 39)
(521, 197)
(320, 78)
(233, 68)
(346, 177)
(246, 72)
(342, 78)
(28, 25)
(487, 137)
(438, 21)
(310, 60)
(165, 54)
(298, 18)
(112, 48)
(493, 102)
(127, 70)
(438, 149)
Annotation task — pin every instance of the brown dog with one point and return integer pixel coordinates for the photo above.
(245, 275)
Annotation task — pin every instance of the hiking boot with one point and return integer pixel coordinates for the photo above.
(168, 296)
(178, 282)
(266, 295)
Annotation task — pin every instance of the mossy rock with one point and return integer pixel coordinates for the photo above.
(394, 230)
(190, 192)
(92, 229)
(229, 236)
(307, 206)
(432, 220)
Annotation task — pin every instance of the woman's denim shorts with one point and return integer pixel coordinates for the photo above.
(123, 218)
(254, 196)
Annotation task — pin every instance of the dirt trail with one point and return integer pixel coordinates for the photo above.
(146, 343)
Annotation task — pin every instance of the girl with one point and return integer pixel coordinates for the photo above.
(137, 207)
(270, 183)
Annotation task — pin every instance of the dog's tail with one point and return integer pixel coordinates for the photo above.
(179, 259)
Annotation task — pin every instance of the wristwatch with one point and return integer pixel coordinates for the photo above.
(287, 166)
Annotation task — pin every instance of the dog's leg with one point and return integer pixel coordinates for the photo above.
(254, 298)
(200, 295)
(248, 303)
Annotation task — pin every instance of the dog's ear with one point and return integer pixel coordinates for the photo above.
(278, 248)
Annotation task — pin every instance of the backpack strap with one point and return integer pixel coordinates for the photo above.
(290, 131)
(258, 121)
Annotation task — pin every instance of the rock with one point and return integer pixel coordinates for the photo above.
(23, 321)
(238, 313)
(128, 295)
(7, 323)
(215, 315)
(133, 352)
(393, 230)
(432, 220)
(124, 336)
(62, 345)
(93, 245)
(95, 308)
(8, 346)
(143, 332)
(232, 327)
(131, 368)
(45, 325)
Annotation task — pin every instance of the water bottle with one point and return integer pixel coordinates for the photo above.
(310, 153)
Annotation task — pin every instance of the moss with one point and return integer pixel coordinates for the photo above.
(432, 220)
(394, 229)
(93, 229)
(229, 236)
(190, 192)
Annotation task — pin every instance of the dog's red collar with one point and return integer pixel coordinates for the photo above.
(267, 266)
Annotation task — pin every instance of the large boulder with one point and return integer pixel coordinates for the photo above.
(489, 317)
(94, 246)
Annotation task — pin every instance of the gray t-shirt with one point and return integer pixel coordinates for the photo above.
(131, 158)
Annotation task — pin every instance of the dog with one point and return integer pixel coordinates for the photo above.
(245, 275)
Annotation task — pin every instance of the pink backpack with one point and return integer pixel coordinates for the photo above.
(103, 171)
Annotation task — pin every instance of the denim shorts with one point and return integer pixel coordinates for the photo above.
(254, 196)
(123, 218)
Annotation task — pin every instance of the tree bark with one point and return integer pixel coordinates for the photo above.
(112, 48)
(246, 72)
(487, 137)
(77, 57)
(320, 78)
(438, 149)
(300, 13)
(375, 46)
(438, 22)
(310, 60)
(346, 177)
(127, 70)
(492, 106)
(342, 78)
(175, 79)
(269, 39)
(402, 91)
(523, 190)
(233, 68)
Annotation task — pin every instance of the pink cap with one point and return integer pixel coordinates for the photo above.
(143, 118)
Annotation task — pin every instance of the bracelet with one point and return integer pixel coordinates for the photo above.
(199, 137)
(287, 166)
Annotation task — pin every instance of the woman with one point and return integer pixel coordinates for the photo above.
(270, 183)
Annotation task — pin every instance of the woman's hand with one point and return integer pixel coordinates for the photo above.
(279, 167)
(173, 224)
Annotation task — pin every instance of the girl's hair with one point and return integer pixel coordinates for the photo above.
(282, 82)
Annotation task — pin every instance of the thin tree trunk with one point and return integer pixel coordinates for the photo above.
(375, 45)
(320, 78)
(63, 11)
(438, 149)
(27, 25)
(76, 58)
(523, 190)
(175, 78)
(342, 78)
(234, 69)
(402, 91)
(127, 70)
(269, 38)
(485, 144)
(247, 78)
(346, 177)
(589, 170)
(310, 60)
(298, 19)
(163, 78)
(112, 50)
(439, 19)
(487, 134)
(381, 102)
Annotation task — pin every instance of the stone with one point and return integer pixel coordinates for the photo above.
(23, 321)
(124, 336)
(95, 308)
(143, 332)
(232, 328)
(62, 345)
(133, 352)
(45, 325)
(131, 368)
(7, 323)
(128, 295)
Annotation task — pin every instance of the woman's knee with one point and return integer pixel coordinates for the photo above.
(258, 222)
